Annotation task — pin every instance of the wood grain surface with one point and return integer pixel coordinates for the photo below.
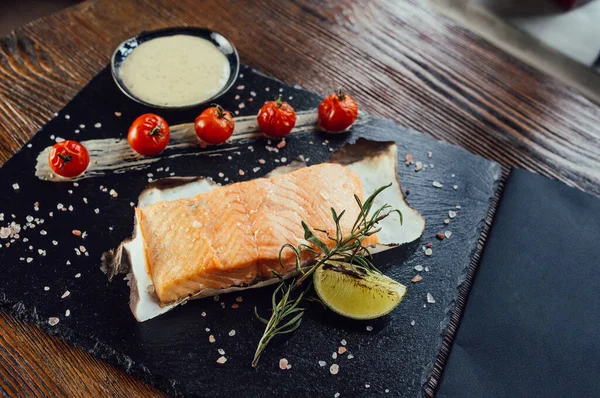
(398, 58)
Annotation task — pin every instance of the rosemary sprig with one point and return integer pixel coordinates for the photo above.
(287, 313)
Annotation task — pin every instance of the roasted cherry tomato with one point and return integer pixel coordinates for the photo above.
(149, 134)
(337, 112)
(276, 118)
(214, 125)
(68, 158)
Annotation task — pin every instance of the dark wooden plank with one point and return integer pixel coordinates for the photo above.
(398, 58)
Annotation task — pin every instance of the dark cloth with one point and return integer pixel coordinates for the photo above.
(531, 326)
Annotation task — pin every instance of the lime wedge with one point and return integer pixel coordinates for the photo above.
(355, 293)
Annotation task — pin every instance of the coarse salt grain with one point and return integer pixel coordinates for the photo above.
(283, 364)
(336, 395)
(46, 288)
(448, 234)
(232, 333)
(113, 193)
(55, 243)
(322, 363)
(43, 232)
(221, 351)
(65, 294)
(341, 350)
(241, 172)
(428, 251)
(98, 125)
(350, 356)
(334, 369)
(67, 312)
(369, 328)
(334, 355)
(455, 187)
(430, 299)
(211, 339)
(412, 323)
(437, 184)
(343, 342)
(77, 275)
(203, 313)
(255, 169)
(221, 360)
(118, 114)
(15, 186)
(82, 126)
(29, 259)
(367, 385)
(52, 321)
(451, 214)
(97, 211)
(418, 268)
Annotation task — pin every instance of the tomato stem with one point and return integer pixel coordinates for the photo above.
(279, 100)
(156, 131)
(340, 94)
(66, 158)
(221, 113)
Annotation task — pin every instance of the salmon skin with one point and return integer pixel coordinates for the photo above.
(232, 235)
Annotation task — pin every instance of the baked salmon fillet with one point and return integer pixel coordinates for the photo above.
(232, 235)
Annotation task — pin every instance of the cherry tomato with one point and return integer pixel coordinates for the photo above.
(214, 125)
(276, 118)
(337, 112)
(68, 158)
(149, 134)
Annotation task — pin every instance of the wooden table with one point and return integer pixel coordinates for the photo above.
(398, 58)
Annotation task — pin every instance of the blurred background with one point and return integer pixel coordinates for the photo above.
(560, 37)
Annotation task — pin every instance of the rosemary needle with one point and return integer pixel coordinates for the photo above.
(287, 313)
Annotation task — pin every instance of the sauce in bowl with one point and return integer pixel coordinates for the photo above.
(175, 71)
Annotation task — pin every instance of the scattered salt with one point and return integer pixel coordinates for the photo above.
(98, 125)
(211, 339)
(369, 328)
(334, 369)
(52, 321)
(437, 184)
(322, 363)
(65, 294)
(430, 298)
(451, 214)
(231, 333)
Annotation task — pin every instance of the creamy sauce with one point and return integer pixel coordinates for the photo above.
(175, 70)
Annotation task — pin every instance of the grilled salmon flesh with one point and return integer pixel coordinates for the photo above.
(232, 235)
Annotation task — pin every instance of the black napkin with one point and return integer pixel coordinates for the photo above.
(531, 326)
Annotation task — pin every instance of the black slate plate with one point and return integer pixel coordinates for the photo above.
(173, 351)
